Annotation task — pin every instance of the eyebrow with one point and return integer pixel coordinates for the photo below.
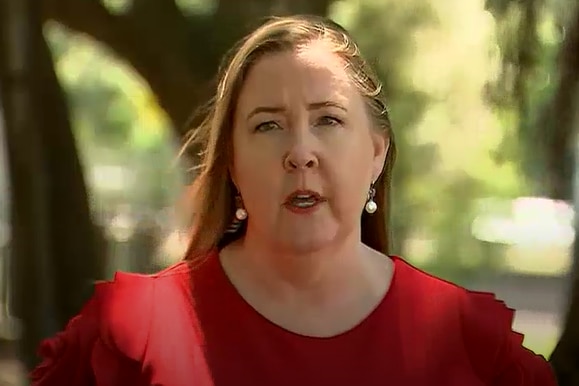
(311, 106)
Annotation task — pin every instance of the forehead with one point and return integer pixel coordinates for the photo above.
(312, 73)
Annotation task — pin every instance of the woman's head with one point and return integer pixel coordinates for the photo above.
(297, 112)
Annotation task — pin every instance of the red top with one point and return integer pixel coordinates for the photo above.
(189, 327)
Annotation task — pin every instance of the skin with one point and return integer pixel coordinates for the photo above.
(300, 123)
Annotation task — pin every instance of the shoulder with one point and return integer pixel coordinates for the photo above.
(423, 287)
(116, 319)
(129, 302)
(478, 311)
(484, 323)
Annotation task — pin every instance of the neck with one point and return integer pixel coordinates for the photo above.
(285, 273)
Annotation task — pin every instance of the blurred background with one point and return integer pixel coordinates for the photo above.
(95, 97)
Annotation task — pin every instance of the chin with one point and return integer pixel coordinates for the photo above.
(305, 244)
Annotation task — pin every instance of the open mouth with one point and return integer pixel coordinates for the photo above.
(303, 199)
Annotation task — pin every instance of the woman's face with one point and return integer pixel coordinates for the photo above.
(304, 150)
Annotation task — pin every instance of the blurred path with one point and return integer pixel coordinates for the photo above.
(11, 372)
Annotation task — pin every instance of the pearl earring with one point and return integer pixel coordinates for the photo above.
(241, 214)
(371, 205)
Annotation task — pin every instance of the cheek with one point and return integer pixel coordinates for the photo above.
(352, 165)
(257, 176)
(353, 160)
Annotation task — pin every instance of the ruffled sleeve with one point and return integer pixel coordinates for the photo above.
(495, 351)
(66, 356)
(103, 344)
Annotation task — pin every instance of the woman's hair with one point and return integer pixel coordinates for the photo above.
(212, 195)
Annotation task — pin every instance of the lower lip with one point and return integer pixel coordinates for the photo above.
(298, 210)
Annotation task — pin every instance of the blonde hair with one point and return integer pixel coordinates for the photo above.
(212, 195)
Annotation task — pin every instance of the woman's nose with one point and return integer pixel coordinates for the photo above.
(301, 155)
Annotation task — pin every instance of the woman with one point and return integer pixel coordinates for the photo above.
(287, 280)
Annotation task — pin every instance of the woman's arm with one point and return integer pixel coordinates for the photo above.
(102, 345)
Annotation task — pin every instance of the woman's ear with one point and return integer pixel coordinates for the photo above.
(381, 146)
(232, 179)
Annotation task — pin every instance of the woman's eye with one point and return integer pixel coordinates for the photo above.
(329, 121)
(267, 126)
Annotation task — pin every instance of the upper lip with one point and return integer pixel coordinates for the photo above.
(304, 192)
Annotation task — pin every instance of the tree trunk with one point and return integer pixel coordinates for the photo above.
(563, 171)
(559, 122)
(77, 245)
(54, 249)
(32, 271)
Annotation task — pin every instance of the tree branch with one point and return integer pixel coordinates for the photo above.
(152, 51)
(149, 15)
(87, 16)
(561, 143)
(162, 44)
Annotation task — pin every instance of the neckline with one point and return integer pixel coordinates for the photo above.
(370, 319)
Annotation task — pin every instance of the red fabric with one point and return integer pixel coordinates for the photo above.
(185, 327)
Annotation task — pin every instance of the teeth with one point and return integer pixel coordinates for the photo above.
(304, 204)
(303, 200)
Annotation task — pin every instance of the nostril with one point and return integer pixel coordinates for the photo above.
(299, 161)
